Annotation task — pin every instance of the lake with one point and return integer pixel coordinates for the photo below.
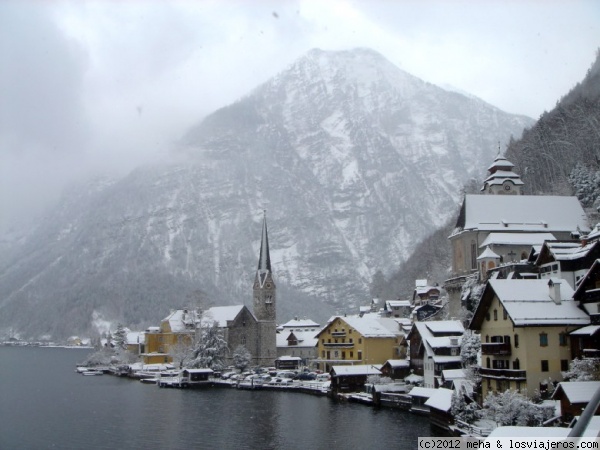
(45, 404)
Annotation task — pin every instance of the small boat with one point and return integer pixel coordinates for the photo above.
(92, 372)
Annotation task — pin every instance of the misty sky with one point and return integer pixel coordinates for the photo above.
(89, 86)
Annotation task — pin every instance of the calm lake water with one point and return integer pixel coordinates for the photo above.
(45, 404)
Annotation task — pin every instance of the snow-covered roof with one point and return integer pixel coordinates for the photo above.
(221, 314)
(420, 283)
(135, 337)
(397, 363)
(488, 253)
(443, 359)
(422, 392)
(590, 330)
(300, 323)
(289, 358)
(199, 371)
(444, 341)
(397, 303)
(517, 239)
(565, 250)
(371, 325)
(577, 391)
(595, 233)
(528, 302)
(453, 374)
(360, 369)
(500, 162)
(445, 326)
(305, 338)
(181, 320)
(440, 400)
(543, 213)
(426, 289)
(413, 378)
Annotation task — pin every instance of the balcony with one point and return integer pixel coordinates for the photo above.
(504, 374)
(338, 334)
(338, 345)
(496, 348)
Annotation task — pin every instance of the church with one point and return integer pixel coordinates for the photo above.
(256, 331)
(502, 225)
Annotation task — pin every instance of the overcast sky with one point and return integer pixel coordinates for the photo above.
(110, 84)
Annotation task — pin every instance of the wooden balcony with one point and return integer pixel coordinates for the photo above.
(338, 334)
(504, 374)
(496, 348)
(338, 345)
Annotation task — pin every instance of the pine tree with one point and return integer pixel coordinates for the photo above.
(241, 358)
(211, 348)
(120, 337)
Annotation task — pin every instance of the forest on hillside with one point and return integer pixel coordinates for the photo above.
(559, 155)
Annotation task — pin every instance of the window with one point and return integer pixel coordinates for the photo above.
(351, 340)
(516, 364)
(351, 355)
(543, 339)
(322, 341)
(544, 365)
(564, 365)
(504, 313)
(359, 355)
(487, 338)
(487, 316)
(516, 341)
(343, 355)
(562, 339)
(243, 340)
(495, 314)
(360, 340)
(473, 255)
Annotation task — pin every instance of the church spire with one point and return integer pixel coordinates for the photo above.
(264, 285)
(264, 260)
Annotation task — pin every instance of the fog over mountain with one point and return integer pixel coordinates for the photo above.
(354, 160)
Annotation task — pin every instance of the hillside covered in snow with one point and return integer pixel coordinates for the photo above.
(355, 161)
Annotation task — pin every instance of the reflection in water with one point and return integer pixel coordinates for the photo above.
(44, 404)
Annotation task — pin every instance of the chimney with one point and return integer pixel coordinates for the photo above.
(554, 290)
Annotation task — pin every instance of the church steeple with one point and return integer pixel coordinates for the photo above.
(264, 259)
(264, 285)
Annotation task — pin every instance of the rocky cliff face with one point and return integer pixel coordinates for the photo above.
(354, 160)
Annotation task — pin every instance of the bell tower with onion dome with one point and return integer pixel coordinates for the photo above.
(501, 179)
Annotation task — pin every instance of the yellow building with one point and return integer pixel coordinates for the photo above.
(177, 328)
(367, 339)
(524, 326)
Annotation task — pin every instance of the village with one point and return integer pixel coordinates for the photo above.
(511, 339)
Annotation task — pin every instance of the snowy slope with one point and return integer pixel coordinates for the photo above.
(354, 160)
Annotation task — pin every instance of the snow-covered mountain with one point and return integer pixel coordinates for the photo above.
(354, 159)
